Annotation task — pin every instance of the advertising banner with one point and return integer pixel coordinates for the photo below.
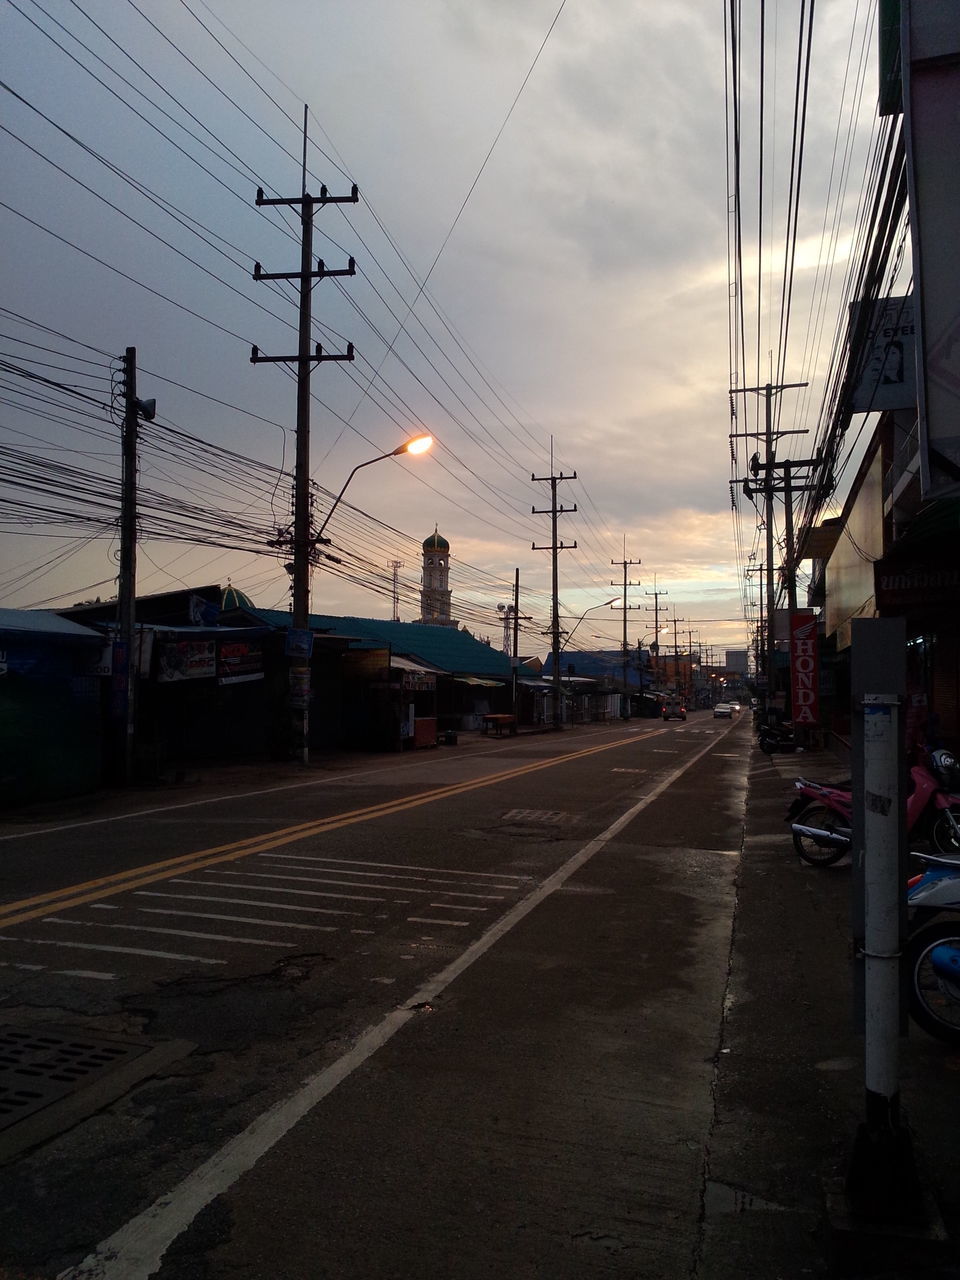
(883, 346)
(930, 36)
(186, 660)
(804, 669)
(239, 661)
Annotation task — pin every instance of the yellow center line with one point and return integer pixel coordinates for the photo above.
(14, 913)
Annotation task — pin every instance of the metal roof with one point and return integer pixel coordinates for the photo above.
(43, 622)
(445, 647)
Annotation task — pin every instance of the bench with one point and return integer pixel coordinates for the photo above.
(498, 723)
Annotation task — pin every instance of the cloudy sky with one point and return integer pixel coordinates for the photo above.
(542, 283)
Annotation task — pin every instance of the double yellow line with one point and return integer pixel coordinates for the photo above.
(14, 913)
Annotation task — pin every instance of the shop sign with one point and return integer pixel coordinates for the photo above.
(419, 681)
(910, 585)
(239, 661)
(186, 660)
(804, 669)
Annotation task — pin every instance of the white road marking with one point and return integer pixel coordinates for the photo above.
(262, 888)
(348, 884)
(384, 875)
(455, 906)
(87, 973)
(246, 902)
(401, 866)
(214, 915)
(459, 924)
(151, 928)
(135, 1251)
(95, 946)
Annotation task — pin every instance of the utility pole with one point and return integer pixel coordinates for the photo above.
(300, 639)
(656, 627)
(555, 548)
(760, 650)
(396, 566)
(124, 661)
(769, 436)
(625, 564)
(676, 655)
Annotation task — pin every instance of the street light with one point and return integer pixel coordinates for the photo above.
(592, 609)
(300, 645)
(419, 444)
(654, 649)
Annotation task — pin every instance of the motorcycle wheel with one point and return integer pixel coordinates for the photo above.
(818, 855)
(942, 836)
(934, 999)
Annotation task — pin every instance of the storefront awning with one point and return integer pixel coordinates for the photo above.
(475, 680)
(418, 668)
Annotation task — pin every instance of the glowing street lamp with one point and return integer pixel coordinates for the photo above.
(300, 644)
(419, 444)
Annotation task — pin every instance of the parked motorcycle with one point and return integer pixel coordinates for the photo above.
(821, 814)
(932, 953)
(773, 738)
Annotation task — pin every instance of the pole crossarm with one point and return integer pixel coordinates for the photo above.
(319, 355)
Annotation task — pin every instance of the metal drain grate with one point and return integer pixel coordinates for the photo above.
(40, 1066)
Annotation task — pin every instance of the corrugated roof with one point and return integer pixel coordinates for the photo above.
(41, 621)
(443, 647)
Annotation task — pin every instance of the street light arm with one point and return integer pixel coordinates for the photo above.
(582, 616)
(419, 444)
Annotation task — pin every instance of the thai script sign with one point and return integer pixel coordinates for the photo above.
(804, 669)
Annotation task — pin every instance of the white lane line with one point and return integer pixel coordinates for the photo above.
(217, 915)
(455, 906)
(96, 946)
(482, 897)
(152, 928)
(8, 964)
(262, 888)
(136, 1250)
(403, 866)
(390, 888)
(87, 973)
(295, 859)
(458, 924)
(246, 902)
(347, 884)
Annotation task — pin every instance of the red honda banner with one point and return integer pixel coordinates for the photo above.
(804, 669)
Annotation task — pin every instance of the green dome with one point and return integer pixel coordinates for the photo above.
(436, 542)
(233, 598)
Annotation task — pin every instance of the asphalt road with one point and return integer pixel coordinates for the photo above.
(411, 1006)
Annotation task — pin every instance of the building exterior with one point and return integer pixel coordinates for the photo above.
(435, 583)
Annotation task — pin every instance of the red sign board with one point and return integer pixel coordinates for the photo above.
(804, 669)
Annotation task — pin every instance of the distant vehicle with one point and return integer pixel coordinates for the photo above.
(674, 709)
(723, 710)
(735, 706)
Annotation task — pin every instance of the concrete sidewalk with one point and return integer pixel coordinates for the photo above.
(790, 1079)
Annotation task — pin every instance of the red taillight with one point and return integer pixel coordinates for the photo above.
(914, 880)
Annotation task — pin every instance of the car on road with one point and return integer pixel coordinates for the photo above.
(674, 709)
(723, 710)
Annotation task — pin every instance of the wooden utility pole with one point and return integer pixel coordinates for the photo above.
(124, 660)
(655, 647)
(299, 648)
(555, 547)
(769, 437)
(625, 653)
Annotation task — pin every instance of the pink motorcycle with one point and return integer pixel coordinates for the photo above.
(820, 814)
